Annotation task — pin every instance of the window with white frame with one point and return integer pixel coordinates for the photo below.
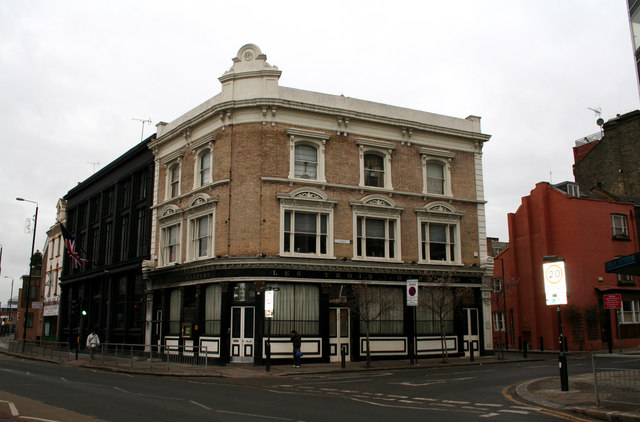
(375, 163)
(170, 244)
(307, 157)
(435, 177)
(573, 189)
(200, 240)
(376, 231)
(436, 171)
(173, 181)
(439, 234)
(306, 161)
(619, 226)
(625, 279)
(630, 312)
(498, 321)
(170, 234)
(204, 167)
(306, 221)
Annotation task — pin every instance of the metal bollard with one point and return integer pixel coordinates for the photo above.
(343, 356)
(268, 363)
(524, 349)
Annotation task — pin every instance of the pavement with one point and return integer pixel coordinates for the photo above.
(543, 392)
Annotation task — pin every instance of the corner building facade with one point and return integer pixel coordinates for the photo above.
(315, 196)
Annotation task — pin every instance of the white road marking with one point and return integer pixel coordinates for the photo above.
(489, 415)
(199, 404)
(455, 402)
(519, 412)
(488, 404)
(14, 409)
(254, 415)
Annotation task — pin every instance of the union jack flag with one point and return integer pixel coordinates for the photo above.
(70, 245)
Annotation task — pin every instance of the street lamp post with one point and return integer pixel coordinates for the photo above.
(33, 245)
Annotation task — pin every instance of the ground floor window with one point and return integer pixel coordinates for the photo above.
(174, 312)
(381, 309)
(434, 310)
(212, 310)
(630, 312)
(296, 307)
(498, 321)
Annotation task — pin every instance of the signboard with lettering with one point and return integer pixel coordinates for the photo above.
(612, 301)
(555, 282)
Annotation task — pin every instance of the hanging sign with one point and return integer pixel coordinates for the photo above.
(412, 292)
(555, 282)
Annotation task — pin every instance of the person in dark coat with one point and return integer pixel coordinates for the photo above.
(297, 343)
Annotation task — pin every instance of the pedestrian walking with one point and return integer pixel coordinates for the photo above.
(93, 342)
(297, 344)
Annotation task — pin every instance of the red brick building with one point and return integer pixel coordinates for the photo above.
(586, 232)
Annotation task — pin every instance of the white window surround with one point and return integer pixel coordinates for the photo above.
(382, 148)
(307, 200)
(382, 208)
(169, 162)
(429, 155)
(630, 312)
(315, 139)
(197, 165)
(619, 228)
(201, 205)
(171, 216)
(439, 213)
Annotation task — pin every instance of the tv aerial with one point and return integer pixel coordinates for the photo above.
(143, 122)
(598, 112)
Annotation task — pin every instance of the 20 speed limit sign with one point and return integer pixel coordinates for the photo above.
(555, 282)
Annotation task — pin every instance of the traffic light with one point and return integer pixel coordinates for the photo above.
(83, 308)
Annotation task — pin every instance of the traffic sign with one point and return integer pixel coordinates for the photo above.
(412, 292)
(555, 282)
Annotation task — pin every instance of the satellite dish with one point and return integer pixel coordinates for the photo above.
(600, 121)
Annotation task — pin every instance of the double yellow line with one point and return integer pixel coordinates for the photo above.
(550, 412)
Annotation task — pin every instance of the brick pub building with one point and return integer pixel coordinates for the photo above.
(265, 187)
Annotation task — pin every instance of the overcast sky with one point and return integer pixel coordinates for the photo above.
(74, 75)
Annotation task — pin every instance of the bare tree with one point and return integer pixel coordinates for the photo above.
(370, 303)
(438, 296)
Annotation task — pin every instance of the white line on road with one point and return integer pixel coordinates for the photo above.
(423, 399)
(488, 404)
(199, 404)
(14, 409)
(519, 412)
(489, 415)
(254, 415)
(455, 402)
